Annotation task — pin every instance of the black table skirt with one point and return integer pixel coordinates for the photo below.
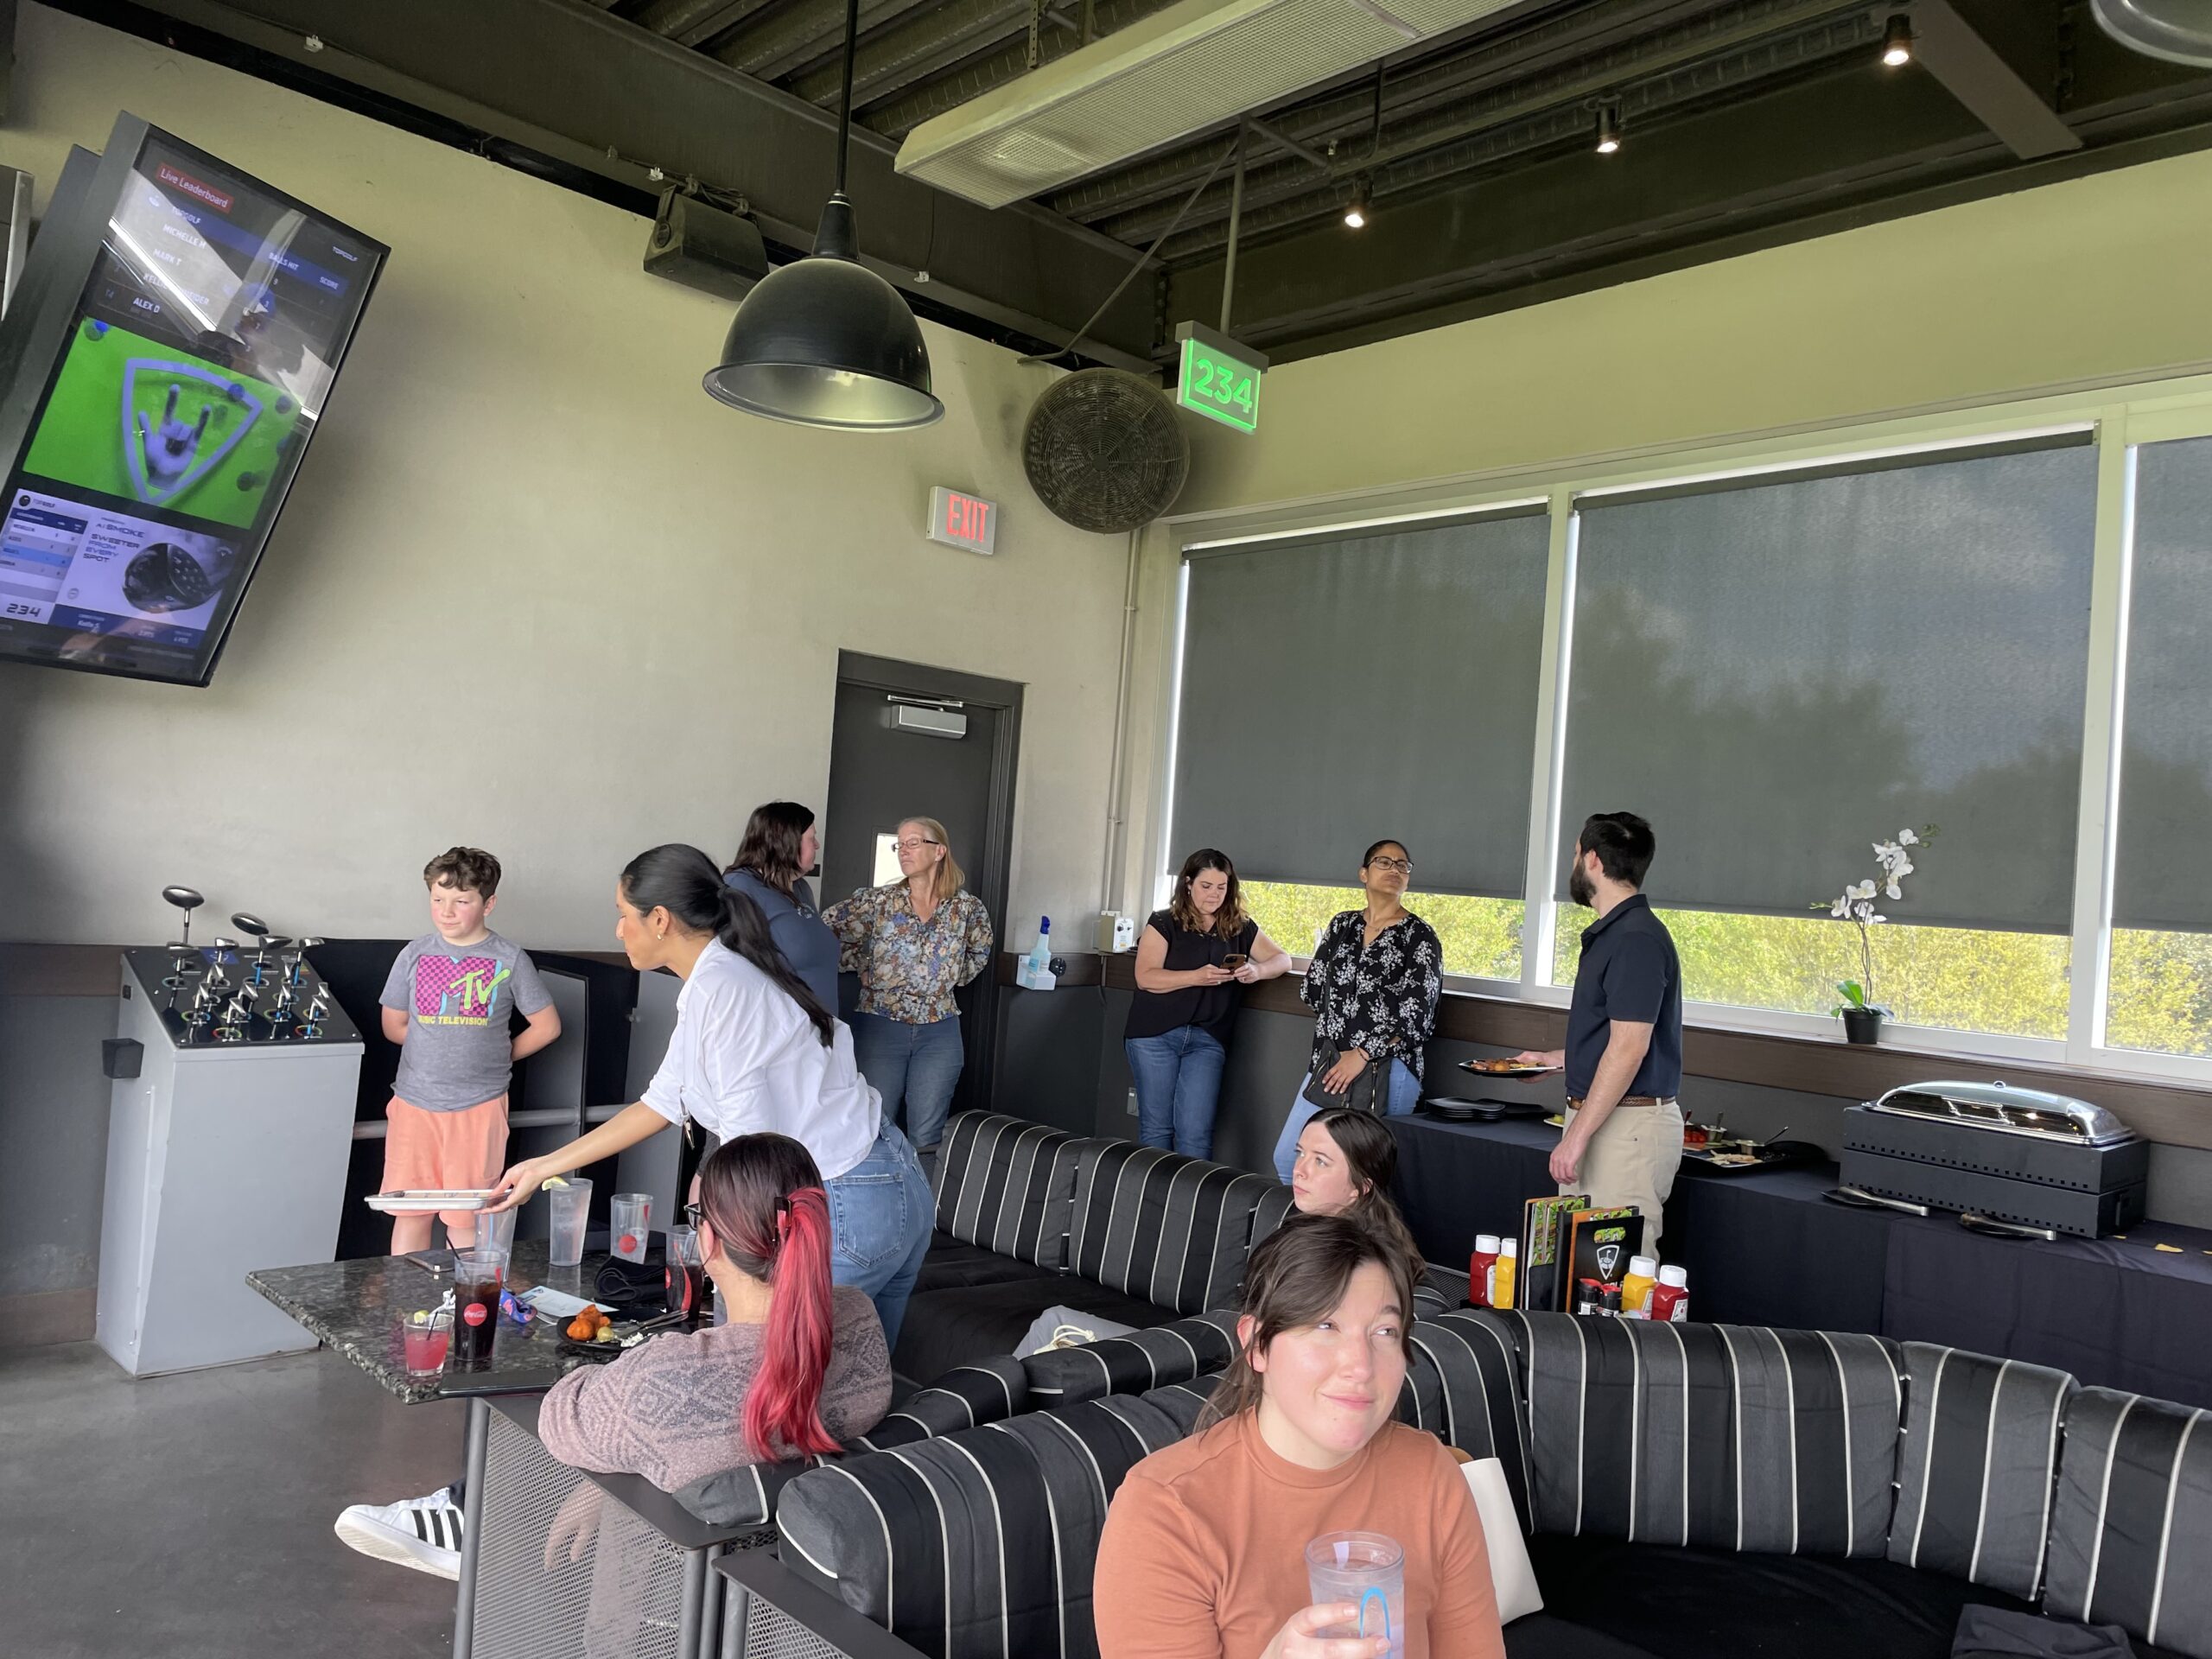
(1767, 1248)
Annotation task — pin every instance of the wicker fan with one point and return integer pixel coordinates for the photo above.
(1105, 451)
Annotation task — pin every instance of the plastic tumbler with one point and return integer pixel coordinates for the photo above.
(632, 1217)
(1368, 1570)
(571, 1213)
(495, 1232)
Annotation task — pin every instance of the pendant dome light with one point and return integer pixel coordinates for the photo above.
(823, 340)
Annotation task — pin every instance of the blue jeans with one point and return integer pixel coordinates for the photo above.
(918, 1064)
(1405, 1095)
(880, 1212)
(1178, 1075)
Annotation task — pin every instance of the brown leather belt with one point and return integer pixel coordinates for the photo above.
(1629, 1100)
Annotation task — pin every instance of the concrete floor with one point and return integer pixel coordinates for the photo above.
(189, 1516)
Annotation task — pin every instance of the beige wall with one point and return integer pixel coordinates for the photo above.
(2096, 277)
(533, 590)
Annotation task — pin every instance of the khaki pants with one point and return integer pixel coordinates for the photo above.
(1631, 1161)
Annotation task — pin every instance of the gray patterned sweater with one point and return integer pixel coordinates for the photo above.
(671, 1409)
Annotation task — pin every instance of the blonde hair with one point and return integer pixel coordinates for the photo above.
(950, 878)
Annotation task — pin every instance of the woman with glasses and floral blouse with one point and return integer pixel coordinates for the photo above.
(1372, 985)
(913, 942)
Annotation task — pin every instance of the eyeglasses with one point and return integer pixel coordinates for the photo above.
(913, 846)
(1403, 866)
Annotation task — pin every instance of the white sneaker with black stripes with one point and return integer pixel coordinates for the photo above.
(423, 1533)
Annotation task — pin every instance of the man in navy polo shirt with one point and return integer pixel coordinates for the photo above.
(1624, 1053)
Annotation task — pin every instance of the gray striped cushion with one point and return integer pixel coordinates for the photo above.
(743, 1496)
(1734, 1436)
(1467, 1381)
(1979, 1455)
(1008, 1185)
(981, 1542)
(1274, 1209)
(1134, 1363)
(966, 1396)
(1171, 1230)
(2131, 1541)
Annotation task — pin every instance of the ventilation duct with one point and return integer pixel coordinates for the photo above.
(1178, 71)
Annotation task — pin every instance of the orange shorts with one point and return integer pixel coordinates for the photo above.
(445, 1149)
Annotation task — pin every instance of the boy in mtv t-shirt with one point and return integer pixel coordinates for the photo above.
(446, 1005)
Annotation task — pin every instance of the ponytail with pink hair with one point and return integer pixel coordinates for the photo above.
(763, 1196)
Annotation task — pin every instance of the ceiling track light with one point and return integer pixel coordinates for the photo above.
(1609, 129)
(1897, 41)
(1358, 209)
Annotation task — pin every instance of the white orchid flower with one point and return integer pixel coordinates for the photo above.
(1907, 838)
(1893, 889)
(1901, 869)
(1885, 851)
(1863, 914)
(1860, 889)
(1841, 909)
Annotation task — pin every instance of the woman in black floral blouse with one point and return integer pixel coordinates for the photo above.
(1372, 986)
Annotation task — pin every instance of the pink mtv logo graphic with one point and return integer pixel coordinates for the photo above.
(461, 987)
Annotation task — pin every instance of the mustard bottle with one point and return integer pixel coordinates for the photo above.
(1500, 1281)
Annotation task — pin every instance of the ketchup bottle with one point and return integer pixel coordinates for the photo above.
(1478, 1270)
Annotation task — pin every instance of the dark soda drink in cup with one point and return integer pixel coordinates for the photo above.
(478, 1280)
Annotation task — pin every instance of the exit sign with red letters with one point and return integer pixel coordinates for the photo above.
(966, 521)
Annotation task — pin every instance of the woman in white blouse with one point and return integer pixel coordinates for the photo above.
(754, 1052)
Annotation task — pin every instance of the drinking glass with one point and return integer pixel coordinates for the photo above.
(686, 1275)
(631, 1215)
(571, 1214)
(424, 1335)
(1369, 1571)
(478, 1276)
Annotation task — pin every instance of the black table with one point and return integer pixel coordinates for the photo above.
(1767, 1248)
(354, 1307)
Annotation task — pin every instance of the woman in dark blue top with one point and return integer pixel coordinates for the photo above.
(770, 869)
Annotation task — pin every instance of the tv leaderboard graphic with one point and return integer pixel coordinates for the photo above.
(203, 345)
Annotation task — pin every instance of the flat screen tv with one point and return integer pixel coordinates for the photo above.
(164, 366)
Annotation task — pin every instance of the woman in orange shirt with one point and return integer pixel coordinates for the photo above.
(1297, 1441)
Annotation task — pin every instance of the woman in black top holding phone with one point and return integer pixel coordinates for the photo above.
(1193, 959)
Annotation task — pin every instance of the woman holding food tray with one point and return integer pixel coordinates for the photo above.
(1193, 960)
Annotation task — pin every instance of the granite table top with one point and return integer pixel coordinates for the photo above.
(354, 1307)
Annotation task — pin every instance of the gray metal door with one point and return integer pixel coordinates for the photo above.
(883, 767)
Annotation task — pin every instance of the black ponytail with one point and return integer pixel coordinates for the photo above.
(684, 881)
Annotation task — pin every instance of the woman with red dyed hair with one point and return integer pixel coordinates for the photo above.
(799, 1366)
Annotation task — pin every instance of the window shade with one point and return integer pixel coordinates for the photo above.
(1777, 675)
(2165, 767)
(1339, 690)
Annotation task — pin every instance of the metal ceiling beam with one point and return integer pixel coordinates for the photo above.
(898, 118)
(1827, 155)
(691, 22)
(1950, 49)
(925, 42)
(797, 34)
(602, 98)
(1745, 42)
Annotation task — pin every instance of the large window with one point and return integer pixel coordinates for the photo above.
(1778, 672)
(1337, 690)
(2160, 996)
(1780, 657)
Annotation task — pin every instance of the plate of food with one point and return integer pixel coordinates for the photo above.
(1507, 1069)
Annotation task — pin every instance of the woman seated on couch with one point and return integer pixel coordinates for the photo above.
(1297, 1442)
(1346, 1161)
(799, 1365)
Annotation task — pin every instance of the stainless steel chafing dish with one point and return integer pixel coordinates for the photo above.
(2009, 1110)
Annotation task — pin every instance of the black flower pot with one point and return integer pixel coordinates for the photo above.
(1861, 1024)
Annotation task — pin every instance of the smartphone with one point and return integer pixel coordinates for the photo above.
(1233, 961)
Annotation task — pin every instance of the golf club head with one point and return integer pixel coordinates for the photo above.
(246, 922)
(183, 898)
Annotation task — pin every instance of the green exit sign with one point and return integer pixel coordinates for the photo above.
(1220, 377)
